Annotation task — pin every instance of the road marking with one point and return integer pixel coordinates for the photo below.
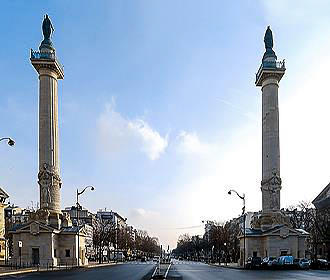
(167, 270)
(154, 272)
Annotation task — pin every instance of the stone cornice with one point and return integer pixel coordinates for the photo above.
(47, 64)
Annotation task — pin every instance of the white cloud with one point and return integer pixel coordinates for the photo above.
(145, 219)
(189, 143)
(153, 143)
(120, 135)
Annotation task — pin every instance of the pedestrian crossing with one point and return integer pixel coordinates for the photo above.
(173, 262)
(141, 263)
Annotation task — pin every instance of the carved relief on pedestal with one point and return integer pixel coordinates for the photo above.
(272, 187)
(50, 183)
(40, 215)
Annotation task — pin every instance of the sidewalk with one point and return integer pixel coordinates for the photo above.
(4, 271)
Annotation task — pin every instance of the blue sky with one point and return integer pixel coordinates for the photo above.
(158, 108)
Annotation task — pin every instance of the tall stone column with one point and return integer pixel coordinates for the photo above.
(268, 77)
(50, 70)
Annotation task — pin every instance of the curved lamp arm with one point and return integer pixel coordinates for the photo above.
(240, 196)
(11, 142)
(79, 193)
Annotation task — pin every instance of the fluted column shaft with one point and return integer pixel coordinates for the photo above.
(271, 182)
(49, 170)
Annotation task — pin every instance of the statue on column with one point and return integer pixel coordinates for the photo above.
(47, 27)
(47, 30)
(269, 43)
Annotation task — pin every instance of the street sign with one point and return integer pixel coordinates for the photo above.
(20, 244)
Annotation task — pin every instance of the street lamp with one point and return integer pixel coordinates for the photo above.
(243, 213)
(10, 142)
(225, 245)
(78, 207)
(208, 239)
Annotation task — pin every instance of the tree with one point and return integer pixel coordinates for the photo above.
(103, 236)
(315, 221)
(145, 244)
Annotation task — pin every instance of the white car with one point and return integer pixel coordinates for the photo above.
(156, 259)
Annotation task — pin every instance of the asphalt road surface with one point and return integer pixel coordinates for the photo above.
(179, 271)
(127, 271)
(199, 271)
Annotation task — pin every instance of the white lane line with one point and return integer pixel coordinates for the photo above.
(167, 271)
(154, 272)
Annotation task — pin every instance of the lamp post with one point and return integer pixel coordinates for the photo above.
(78, 207)
(10, 142)
(208, 239)
(243, 213)
(225, 246)
(116, 254)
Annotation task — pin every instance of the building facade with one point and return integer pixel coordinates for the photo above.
(3, 240)
(322, 205)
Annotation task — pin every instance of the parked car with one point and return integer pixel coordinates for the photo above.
(268, 262)
(285, 262)
(253, 262)
(301, 263)
(319, 264)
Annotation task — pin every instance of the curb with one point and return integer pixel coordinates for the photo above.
(60, 269)
(18, 272)
(226, 266)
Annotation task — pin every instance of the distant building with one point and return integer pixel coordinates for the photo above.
(113, 217)
(132, 232)
(85, 216)
(3, 241)
(17, 215)
(322, 205)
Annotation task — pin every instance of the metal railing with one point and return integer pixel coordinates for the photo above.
(46, 56)
(46, 266)
(270, 65)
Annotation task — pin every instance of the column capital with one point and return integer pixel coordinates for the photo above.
(270, 70)
(47, 60)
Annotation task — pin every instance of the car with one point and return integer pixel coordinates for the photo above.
(319, 264)
(156, 259)
(285, 261)
(253, 262)
(301, 263)
(268, 262)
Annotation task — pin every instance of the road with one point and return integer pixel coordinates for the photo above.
(127, 271)
(180, 270)
(198, 271)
